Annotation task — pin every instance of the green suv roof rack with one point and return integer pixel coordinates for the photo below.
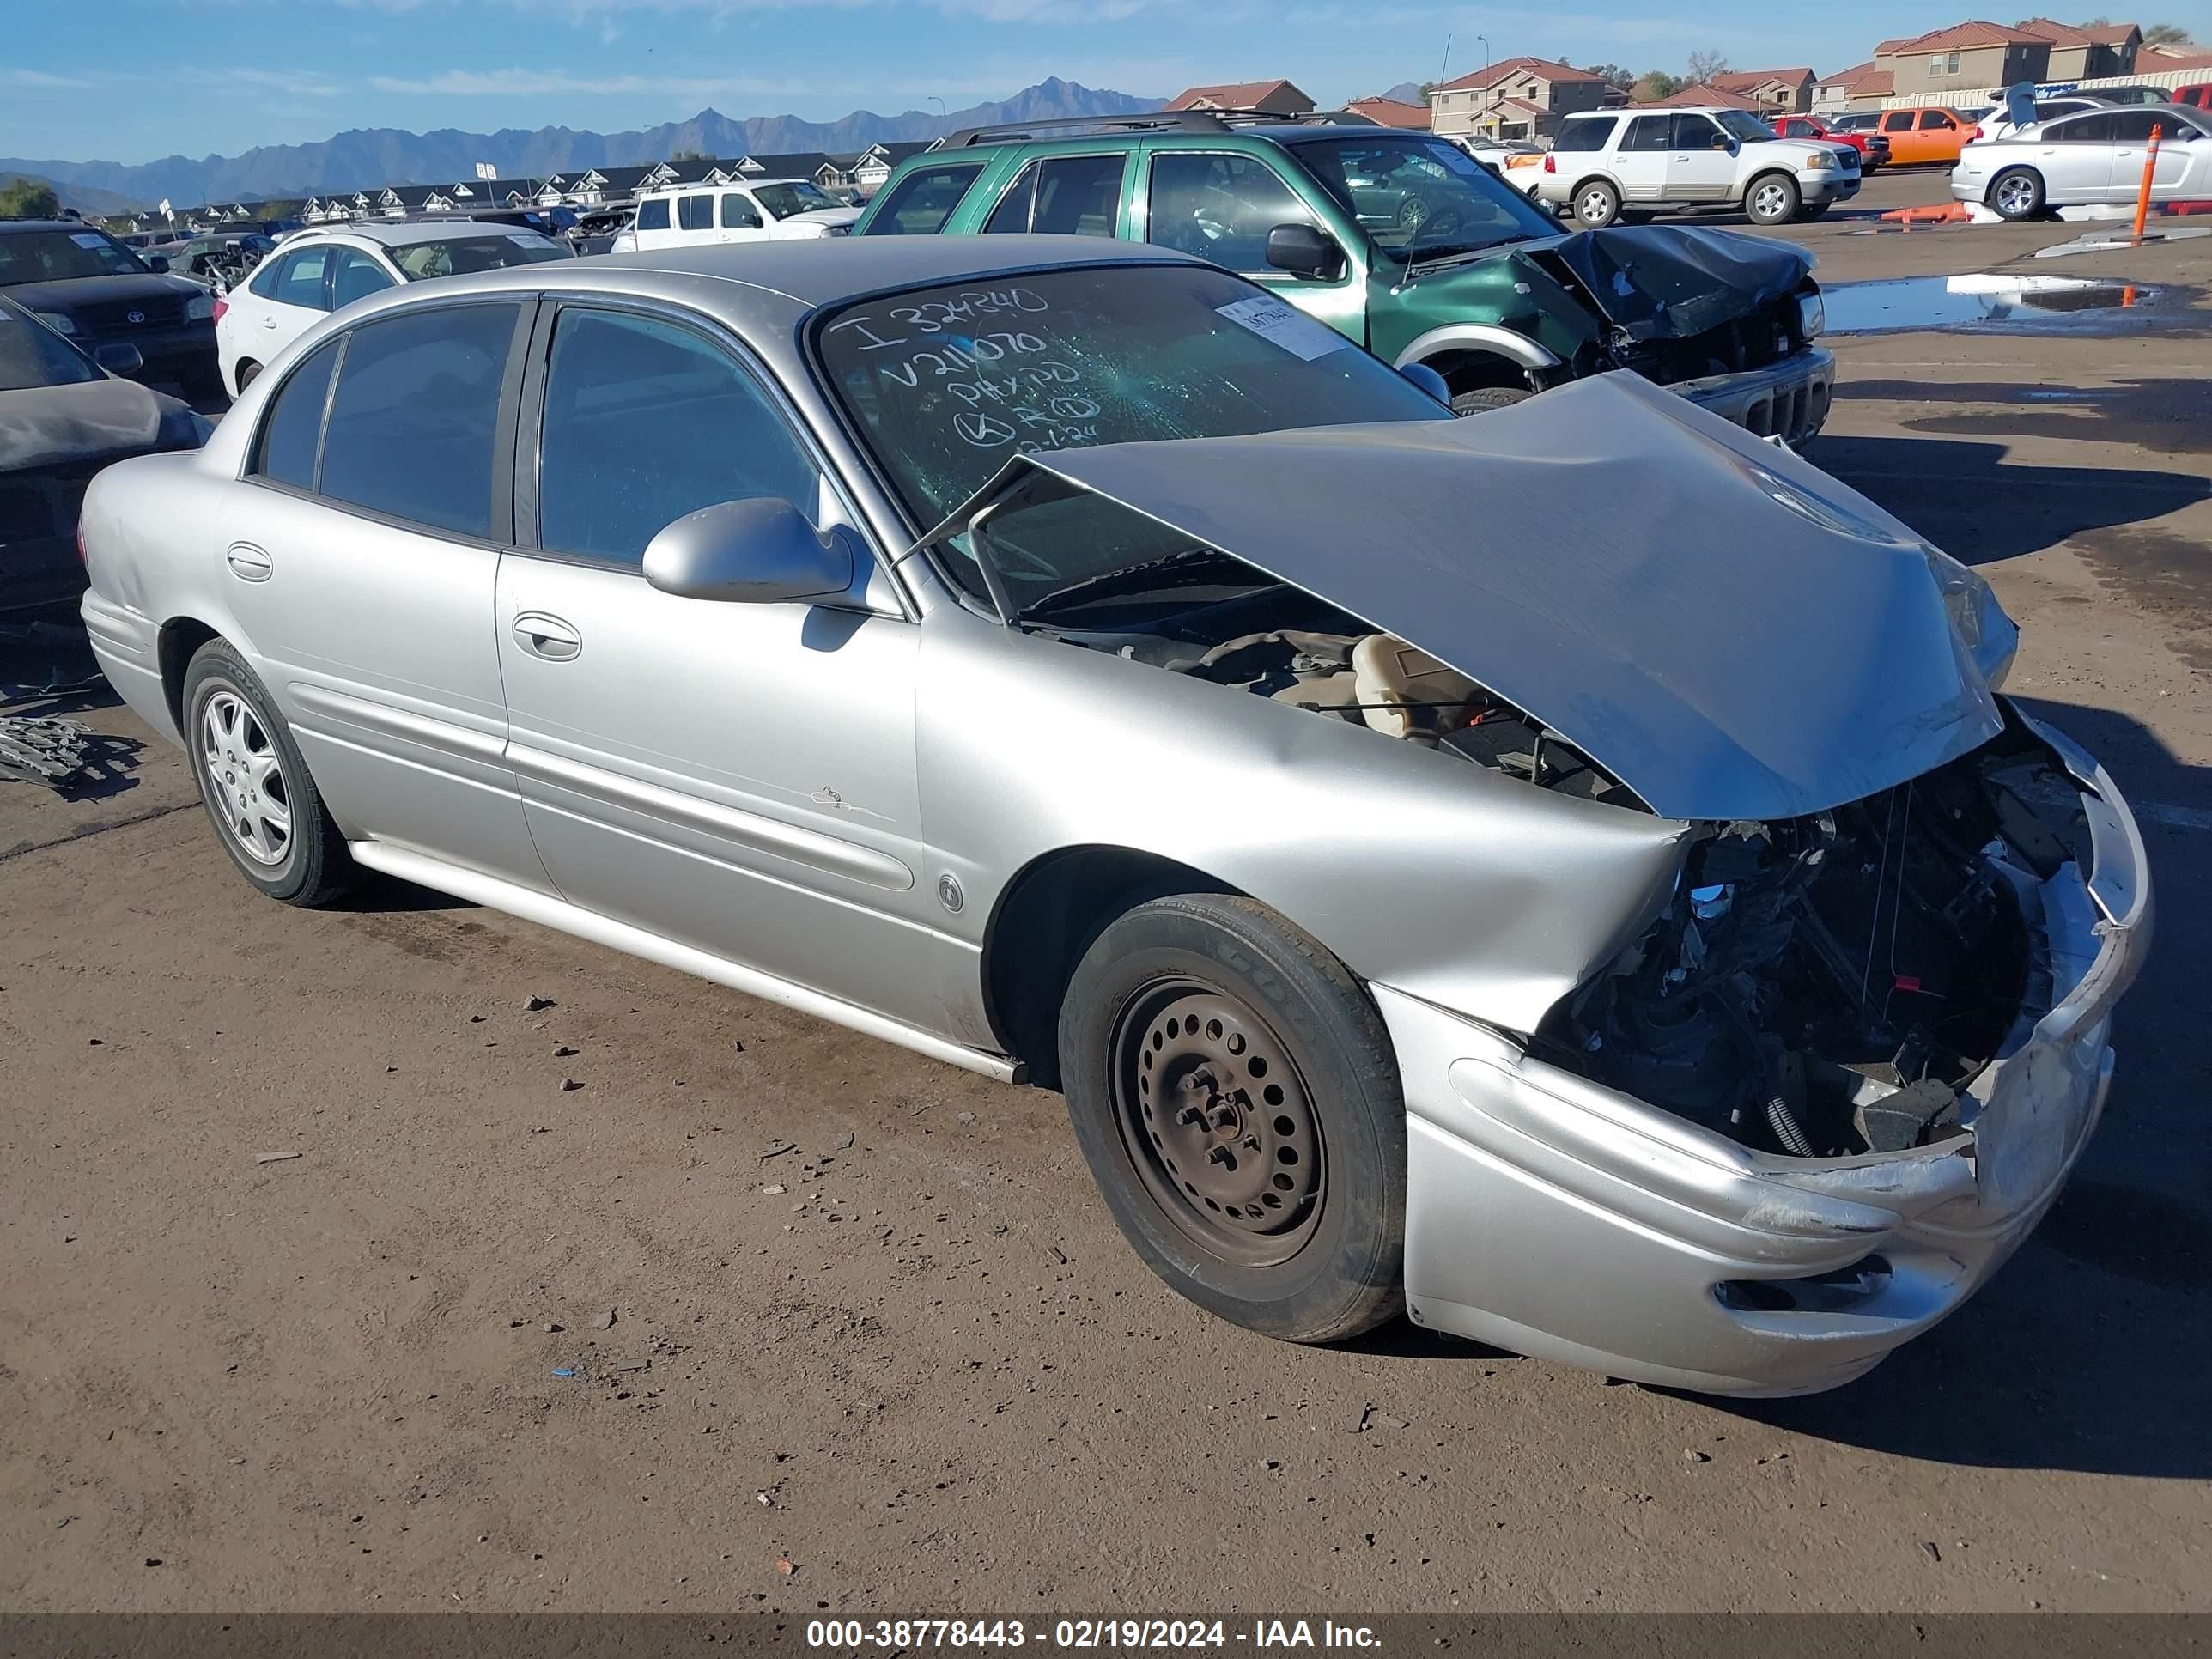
(1181, 120)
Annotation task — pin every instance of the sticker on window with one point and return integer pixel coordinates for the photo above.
(1284, 326)
(88, 239)
(525, 239)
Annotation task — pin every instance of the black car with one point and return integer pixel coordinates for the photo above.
(63, 417)
(83, 283)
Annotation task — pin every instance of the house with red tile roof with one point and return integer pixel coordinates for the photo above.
(1276, 97)
(1389, 112)
(1705, 95)
(1966, 59)
(1789, 90)
(1516, 97)
(2090, 49)
(1863, 86)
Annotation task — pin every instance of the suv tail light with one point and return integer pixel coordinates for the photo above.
(1551, 162)
(81, 559)
(221, 305)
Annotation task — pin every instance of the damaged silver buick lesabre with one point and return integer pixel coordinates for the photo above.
(1639, 935)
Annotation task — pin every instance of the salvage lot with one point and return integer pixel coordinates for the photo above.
(927, 1371)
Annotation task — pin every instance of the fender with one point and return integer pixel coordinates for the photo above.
(1479, 337)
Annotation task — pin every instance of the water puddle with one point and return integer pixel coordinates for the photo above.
(1992, 300)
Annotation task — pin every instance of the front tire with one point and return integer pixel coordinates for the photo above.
(1476, 400)
(266, 811)
(2017, 193)
(1772, 199)
(1597, 204)
(1236, 1095)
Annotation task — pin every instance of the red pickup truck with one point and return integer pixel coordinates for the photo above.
(1873, 148)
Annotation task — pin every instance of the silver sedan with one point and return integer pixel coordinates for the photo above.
(1644, 937)
(2097, 157)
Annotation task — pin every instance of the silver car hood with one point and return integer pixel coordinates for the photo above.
(1730, 631)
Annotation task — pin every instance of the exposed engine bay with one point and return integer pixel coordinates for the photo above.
(1819, 986)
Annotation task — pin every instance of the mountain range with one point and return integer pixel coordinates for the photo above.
(389, 155)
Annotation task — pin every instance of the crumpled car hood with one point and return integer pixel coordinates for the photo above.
(1730, 632)
(1660, 282)
(46, 425)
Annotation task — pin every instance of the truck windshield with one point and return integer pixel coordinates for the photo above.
(54, 256)
(943, 384)
(784, 200)
(1421, 199)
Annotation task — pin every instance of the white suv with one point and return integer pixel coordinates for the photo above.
(319, 270)
(775, 209)
(1615, 164)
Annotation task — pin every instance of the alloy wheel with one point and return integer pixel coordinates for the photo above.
(1217, 1121)
(244, 779)
(2015, 194)
(1769, 202)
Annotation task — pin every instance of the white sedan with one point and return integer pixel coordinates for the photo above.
(320, 270)
(2095, 157)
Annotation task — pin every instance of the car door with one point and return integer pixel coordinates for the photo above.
(2073, 153)
(1703, 168)
(740, 218)
(1906, 148)
(1941, 136)
(737, 777)
(1642, 157)
(293, 291)
(1220, 205)
(694, 219)
(361, 570)
(2131, 129)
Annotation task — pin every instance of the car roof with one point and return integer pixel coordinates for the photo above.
(8, 225)
(406, 233)
(726, 183)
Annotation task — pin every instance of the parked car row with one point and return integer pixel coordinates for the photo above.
(83, 284)
(2096, 157)
(1644, 937)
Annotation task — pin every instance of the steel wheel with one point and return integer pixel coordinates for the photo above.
(244, 778)
(1217, 1121)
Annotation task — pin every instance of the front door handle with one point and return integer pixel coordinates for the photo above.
(548, 637)
(248, 562)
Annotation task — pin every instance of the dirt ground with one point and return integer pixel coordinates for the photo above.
(922, 1368)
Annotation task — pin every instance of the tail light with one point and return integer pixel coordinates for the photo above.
(1974, 135)
(1551, 162)
(221, 305)
(81, 559)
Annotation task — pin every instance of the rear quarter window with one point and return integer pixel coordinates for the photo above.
(920, 203)
(1581, 137)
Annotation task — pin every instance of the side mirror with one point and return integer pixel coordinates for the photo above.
(1305, 251)
(760, 551)
(120, 357)
(157, 263)
(1429, 381)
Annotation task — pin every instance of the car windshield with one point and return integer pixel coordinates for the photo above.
(1422, 198)
(1745, 128)
(32, 355)
(784, 200)
(944, 384)
(54, 256)
(457, 256)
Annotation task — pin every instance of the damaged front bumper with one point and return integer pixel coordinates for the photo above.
(1552, 1216)
(1787, 401)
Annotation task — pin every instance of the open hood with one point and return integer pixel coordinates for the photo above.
(1730, 632)
(1662, 282)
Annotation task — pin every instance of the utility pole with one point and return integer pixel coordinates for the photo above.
(1443, 70)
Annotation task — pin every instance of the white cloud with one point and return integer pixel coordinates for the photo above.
(39, 79)
(524, 82)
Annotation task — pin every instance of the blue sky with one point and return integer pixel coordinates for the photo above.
(132, 79)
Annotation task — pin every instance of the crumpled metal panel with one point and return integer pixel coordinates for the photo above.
(1731, 632)
(63, 424)
(1669, 281)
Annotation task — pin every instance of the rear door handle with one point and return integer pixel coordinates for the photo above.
(248, 562)
(548, 637)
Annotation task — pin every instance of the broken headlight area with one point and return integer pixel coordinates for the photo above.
(1829, 986)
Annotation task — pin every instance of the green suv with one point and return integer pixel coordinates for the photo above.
(1409, 246)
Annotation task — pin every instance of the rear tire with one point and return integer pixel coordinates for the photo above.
(2017, 193)
(1235, 1095)
(1597, 204)
(266, 811)
(248, 372)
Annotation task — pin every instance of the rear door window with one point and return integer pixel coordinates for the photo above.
(695, 212)
(1063, 196)
(415, 418)
(1651, 132)
(653, 214)
(294, 429)
(920, 203)
(300, 280)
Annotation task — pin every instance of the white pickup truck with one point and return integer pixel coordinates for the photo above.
(1608, 165)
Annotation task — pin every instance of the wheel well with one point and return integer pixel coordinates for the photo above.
(1466, 369)
(1585, 182)
(1045, 919)
(2003, 173)
(180, 639)
(1751, 183)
